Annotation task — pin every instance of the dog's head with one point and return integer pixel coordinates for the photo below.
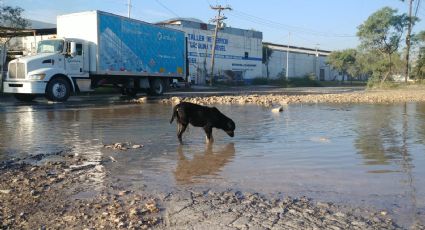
(230, 128)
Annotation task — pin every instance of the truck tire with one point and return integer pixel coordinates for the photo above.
(58, 89)
(157, 87)
(24, 97)
(131, 92)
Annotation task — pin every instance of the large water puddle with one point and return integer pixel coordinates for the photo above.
(365, 155)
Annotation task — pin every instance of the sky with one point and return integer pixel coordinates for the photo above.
(323, 24)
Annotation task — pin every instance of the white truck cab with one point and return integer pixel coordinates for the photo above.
(53, 71)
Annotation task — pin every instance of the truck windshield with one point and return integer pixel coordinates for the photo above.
(50, 46)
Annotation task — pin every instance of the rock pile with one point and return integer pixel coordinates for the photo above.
(123, 146)
(370, 97)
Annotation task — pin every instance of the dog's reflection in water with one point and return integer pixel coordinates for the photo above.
(202, 164)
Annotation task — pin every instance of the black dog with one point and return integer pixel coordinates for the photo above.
(201, 116)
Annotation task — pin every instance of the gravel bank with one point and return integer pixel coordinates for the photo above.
(370, 97)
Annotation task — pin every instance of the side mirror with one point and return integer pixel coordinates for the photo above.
(73, 50)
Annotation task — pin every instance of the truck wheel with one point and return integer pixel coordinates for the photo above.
(131, 92)
(58, 89)
(25, 97)
(157, 87)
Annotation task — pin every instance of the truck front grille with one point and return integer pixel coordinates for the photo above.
(17, 70)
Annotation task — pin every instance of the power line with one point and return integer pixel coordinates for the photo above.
(168, 9)
(421, 10)
(325, 44)
(417, 7)
(274, 24)
(304, 36)
(208, 2)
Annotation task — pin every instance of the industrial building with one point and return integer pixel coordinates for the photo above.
(292, 61)
(238, 52)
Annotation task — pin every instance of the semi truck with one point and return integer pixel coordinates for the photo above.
(96, 48)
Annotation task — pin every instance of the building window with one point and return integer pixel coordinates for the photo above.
(203, 26)
(246, 54)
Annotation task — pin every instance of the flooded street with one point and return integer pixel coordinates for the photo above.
(361, 155)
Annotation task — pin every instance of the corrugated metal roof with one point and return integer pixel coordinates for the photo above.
(297, 49)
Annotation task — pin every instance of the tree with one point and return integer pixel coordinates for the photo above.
(267, 53)
(419, 69)
(11, 22)
(382, 32)
(344, 61)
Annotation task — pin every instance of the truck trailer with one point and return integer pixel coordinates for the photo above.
(94, 49)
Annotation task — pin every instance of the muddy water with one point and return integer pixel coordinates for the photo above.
(366, 155)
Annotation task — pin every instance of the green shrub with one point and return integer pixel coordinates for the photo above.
(306, 81)
(260, 81)
(282, 82)
(310, 76)
(375, 83)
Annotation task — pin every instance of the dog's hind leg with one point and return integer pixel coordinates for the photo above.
(180, 131)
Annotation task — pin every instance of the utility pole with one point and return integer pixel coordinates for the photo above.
(409, 31)
(267, 62)
(218, 19)
(129, 8)
(315, 61)
(287, 57)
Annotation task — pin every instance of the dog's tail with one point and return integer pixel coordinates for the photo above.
(175, 114)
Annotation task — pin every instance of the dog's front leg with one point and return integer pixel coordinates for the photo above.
(208, 132)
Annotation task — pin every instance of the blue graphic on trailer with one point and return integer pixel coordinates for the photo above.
(128, 45)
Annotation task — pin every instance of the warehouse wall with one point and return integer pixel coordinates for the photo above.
(237, 57)
(301, 63)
